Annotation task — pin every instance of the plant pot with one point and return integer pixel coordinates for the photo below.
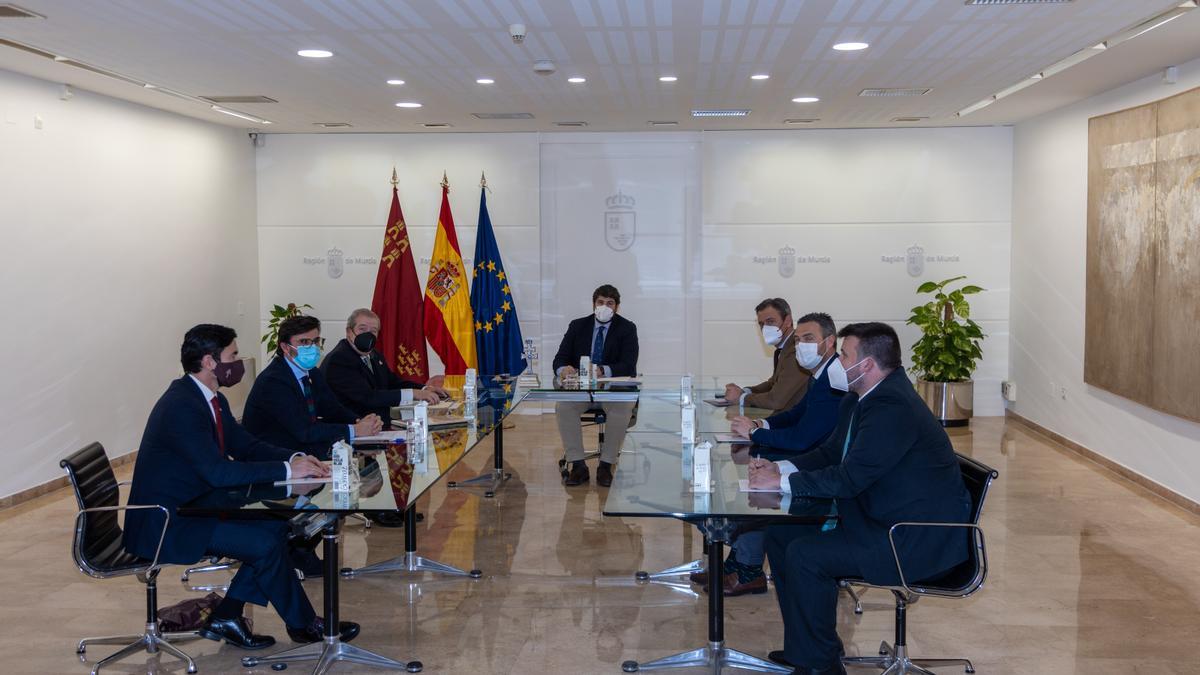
(951, 402)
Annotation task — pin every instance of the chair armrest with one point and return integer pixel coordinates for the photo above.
(131, 507)
(900, 569)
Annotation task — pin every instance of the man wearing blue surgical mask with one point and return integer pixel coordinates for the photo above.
(788, 381)
(292, 406)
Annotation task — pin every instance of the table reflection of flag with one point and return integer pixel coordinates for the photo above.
(400, 473)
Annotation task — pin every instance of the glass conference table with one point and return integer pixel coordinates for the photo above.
(391, 478)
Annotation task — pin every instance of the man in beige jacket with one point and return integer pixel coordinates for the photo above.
(788, 381)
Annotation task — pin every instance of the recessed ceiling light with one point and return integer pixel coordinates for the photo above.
(808, 120)
(667, 78)
(576, 80)
(805, 99)
(485, 80)
(850, 46)
(760, 76)
(662, 123)
(408, 104)
(395, 82)
(315, 53)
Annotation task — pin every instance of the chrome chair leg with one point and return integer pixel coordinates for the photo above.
(109, 640)
(150, 642)
(968, 667)
(845, 586)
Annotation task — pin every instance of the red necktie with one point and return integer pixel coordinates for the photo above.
(220, 429)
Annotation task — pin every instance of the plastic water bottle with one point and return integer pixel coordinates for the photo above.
(585, 372)
(685, 389)
(687, 423)
(469, 394)
(340, 468)
(418, 433)
(702, 467)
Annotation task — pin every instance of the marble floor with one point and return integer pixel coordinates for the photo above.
(1089, 574)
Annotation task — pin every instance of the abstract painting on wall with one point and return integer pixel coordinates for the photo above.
(1142, 328)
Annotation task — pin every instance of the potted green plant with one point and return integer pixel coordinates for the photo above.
(945, 356)
(278, 314)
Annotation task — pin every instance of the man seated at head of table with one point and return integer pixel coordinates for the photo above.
(291, 404)
(783, 435)
(192, 445)
(611, 341)
(888, 461)
(788, 380)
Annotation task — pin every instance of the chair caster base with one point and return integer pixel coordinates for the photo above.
(630, 666)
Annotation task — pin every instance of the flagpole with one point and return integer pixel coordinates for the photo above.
(445, 181)
(395, 180)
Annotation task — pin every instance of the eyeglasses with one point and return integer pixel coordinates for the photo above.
(306, 342)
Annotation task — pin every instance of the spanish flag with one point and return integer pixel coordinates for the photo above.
(449, 324)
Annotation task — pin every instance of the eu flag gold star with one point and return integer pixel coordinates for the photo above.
(487, 327)
(478, 326)
(506, 307)
(499, 319)
(500, 275)
(507, 290)
(491, 266)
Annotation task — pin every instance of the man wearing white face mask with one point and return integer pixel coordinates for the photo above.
(611, 341)
(788, 381)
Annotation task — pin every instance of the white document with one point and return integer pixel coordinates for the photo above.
(305, 481)
(744, 486)
(731, 438)
(719, 402)
(394, 436)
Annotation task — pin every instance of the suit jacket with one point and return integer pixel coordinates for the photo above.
(361, 389)
(899, 466)
(620, 345)
(804, 426)
(179, 460)
(787, 384)
(277, 412)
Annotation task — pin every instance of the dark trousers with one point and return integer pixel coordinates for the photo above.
(805, 564)
(266, 574)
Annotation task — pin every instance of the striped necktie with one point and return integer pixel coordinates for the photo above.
(308, 398)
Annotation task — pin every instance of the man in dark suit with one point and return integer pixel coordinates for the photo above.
(361, 379)
(291, 405)
(782, 436)
(888, 461)
(612, 343)
(192, 445)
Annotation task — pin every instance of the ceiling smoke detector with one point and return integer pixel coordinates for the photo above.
(544, 67)
(517, 32)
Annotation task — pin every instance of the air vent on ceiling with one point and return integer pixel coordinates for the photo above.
(10, 11)
(1017, 2)
(898, 91)
(503, 116)
(662, 123)
(742, 112)
(25, 48)
(332, 125)
(806, 120)
(240, 99)
(437, 125)
(570, 124)
(909, 119)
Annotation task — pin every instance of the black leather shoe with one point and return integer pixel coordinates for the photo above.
(234, 632)
(604, 474)
(307, 564)
(578, 475)
(315, 632)
(778, 657)
(387, 519)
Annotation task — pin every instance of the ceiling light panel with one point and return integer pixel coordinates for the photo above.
(898, 91)
(732, 112)
(980, 3)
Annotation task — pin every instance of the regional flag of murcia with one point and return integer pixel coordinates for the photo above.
(449, 324)
(397, 300)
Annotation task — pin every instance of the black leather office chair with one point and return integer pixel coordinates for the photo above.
(960, 582)
(99, 552)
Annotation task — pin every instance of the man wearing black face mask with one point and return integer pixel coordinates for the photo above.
(191, 445)
(361, 379)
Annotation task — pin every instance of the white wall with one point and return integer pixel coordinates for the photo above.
(849, 204)
(321, 192)
(1048, 290)
(121, 228)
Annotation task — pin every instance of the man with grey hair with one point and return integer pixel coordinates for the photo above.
(788, 380)
(361, 379)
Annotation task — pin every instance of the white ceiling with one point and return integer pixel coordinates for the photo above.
(440, 47)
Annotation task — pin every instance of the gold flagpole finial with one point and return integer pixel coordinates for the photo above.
(445, 181)
(482, 179)
(395, 179)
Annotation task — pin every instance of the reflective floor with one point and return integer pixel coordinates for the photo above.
(1089, 574)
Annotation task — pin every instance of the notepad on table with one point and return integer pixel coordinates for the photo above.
(731, 438)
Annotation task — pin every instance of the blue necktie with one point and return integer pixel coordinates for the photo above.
(598, 347)
(830, 524)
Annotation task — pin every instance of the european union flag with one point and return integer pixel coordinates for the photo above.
(498, 344)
